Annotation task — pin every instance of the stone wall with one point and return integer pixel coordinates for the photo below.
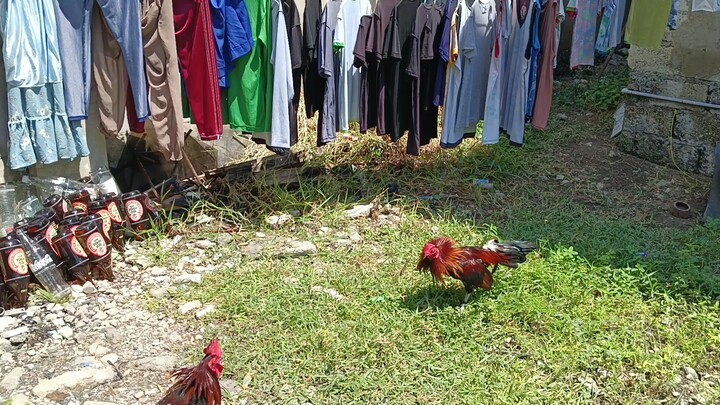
(687, 66)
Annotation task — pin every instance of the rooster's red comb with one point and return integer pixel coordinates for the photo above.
(213, 349)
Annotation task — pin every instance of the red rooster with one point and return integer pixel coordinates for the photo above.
(199, 385)
(471, 264)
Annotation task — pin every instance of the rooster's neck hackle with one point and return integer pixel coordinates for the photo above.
(441, 258)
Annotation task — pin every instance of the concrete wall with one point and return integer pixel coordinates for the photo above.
(686, 66)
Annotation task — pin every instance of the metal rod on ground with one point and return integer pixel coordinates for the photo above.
(673, 99)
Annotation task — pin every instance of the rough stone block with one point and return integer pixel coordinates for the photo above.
(651, 60)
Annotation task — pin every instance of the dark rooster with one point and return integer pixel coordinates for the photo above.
(199, 385)
(471, 264)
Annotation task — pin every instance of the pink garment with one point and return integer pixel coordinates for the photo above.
(583, 43)
(543, 99)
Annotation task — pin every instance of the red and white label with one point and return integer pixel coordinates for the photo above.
(106, 222)
(114, 212)
(65, 206)
(96, 244)
(78, 204)
(134, 210)
(18, 261)
(75, 244)
(50, 233)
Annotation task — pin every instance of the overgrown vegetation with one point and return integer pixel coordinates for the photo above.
(608, 311)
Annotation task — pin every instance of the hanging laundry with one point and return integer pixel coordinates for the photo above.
(283, 92)
(611, 27)
(443, 52)
(379, 68)
(398, 96)
(706, 5)
(533, 52)
(198, 63)
(422, 65)
(163, 77)
(559, 19)
(673, 20)
(328, 61)
(493, 102)
(39, 129)
(476, 42)
(233, 35)
(362, 59)
(646, 22)
(251, 83)
(516, 73)
(295, 38)
(117, 43)
(313, 84)
(582, 52)
(452, 136)
(346, 34)
(543, 99)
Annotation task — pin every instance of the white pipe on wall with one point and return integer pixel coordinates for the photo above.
(673, 99)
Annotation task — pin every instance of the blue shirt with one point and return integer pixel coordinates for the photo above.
(233, 35)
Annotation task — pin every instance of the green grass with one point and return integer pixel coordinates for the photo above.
(608, 311)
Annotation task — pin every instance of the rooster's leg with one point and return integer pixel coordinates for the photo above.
(468, 293)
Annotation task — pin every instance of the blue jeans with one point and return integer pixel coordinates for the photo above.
(74, 21)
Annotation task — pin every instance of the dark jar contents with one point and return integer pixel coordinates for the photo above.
(3, 302)
(21, 224)
(80, 199)
(92, 240)
(57, 204)
(75, 214)
(137, 212)
(100, 207)
(117, 216)
(15, 270)
(42, 231)
(77, 264)
(97, 220)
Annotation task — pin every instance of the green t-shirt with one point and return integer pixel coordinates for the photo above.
(249, 101)
(646, 22)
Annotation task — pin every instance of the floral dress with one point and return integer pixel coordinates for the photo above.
(39, 130)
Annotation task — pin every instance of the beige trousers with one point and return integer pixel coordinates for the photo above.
(162, 73)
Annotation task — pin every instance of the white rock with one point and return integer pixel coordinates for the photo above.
(98, 350)
(7, 358)
(20, 399)
(157, 271)
(7, 323)
(15, 332)
(158, 292)
(77, 288)
(190, 306)
(89, 288)
(359, 211)
(277, 221)
(86, 377)
(205, 311)
(111, 358)
(189, 279)
(298, 249)
(329, 291)
(98, 403)
(66, 332)
(12, 380)
(204, 244)
(156, 363)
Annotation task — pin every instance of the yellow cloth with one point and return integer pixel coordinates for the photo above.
(646, 22)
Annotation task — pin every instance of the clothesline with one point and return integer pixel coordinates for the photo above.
(392, 67)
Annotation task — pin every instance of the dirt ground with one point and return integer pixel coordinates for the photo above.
(594, 172)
